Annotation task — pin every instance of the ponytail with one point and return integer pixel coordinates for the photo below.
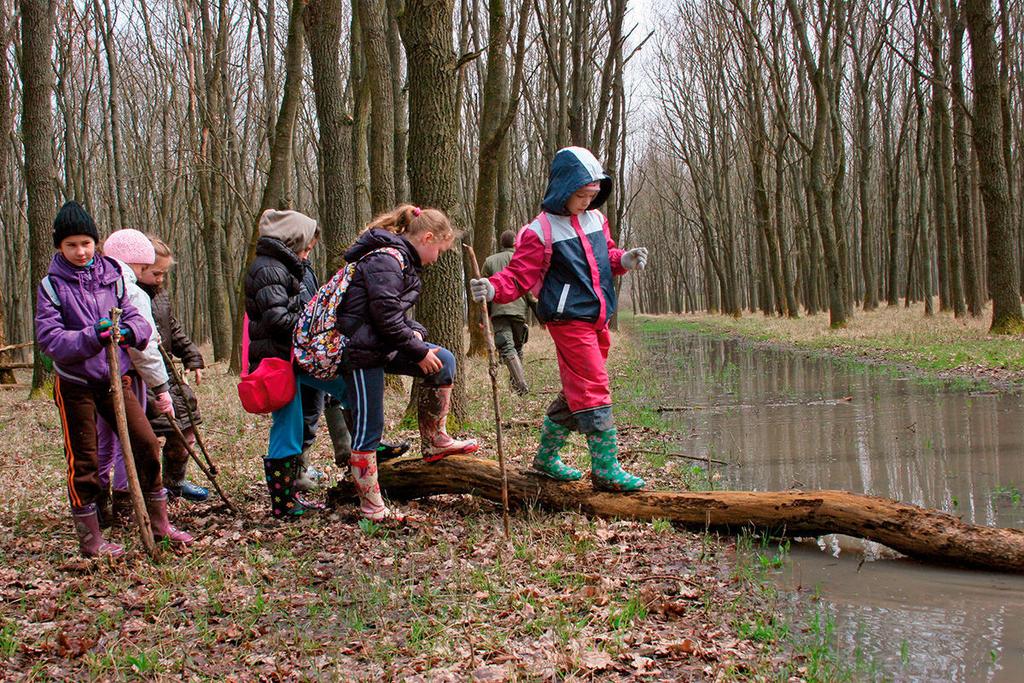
(408, 219)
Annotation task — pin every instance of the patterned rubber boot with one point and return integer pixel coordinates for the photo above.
(364, 474)
(605, 471)
(432, 415)
(156, 506)
(90, 538)
(547, 461)
(281, 485)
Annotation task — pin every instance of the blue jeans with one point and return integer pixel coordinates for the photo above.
(366, 394)
(287, 430)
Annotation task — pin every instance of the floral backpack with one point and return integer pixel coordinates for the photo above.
(317, 342)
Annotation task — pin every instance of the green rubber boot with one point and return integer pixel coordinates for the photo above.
(605, 471)
(547, 461)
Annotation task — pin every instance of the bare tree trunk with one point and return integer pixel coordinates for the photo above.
(818, 71)
(372, 18)
(274, 192)
(400, 100)
(110, 49)
(962, 163)
(1007, 317)
(37, 130)
(322, 19)
(433, 167)
(360, 123)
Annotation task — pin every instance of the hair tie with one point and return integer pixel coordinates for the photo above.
(416, 211)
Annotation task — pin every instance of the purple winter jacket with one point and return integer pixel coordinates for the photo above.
(66, 333)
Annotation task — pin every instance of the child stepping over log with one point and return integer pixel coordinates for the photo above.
(389, 256)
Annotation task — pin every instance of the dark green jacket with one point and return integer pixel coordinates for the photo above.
(495, 263)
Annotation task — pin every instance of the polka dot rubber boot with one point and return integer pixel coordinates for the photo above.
(280, 473)
(605, 471)
(547, 461)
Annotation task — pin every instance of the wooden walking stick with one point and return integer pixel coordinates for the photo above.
(209, 474)
(492, 370)
(138, 504)
(191, 418)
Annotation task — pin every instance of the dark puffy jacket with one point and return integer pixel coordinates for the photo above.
(272, 300)
(176, 343)
(309, 284)
(373, 312)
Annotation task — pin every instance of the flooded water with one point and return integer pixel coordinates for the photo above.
(787, 420)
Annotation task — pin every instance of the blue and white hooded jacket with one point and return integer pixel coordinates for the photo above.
(578, 283)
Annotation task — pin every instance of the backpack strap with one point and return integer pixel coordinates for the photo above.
(50, 291)
(545, 226)
(397, 254)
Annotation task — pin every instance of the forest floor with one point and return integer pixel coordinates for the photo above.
(960, 352)
(568, 597)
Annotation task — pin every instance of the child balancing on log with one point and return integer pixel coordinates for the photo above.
(568, 257)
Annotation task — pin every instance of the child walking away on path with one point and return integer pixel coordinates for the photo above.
(389, 255)
(568, 249)
(509, 319)
(273, 302)
(72, 328)
(133, 252)
(177, 344)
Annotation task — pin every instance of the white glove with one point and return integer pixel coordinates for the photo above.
(164, 404)
(481, 289)
(635, 259)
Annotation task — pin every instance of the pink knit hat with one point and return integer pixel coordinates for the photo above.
(130, 246)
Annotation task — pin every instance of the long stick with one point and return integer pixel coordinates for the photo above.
(492, 369)
(191, 416)
(209, 474)
(141, 516)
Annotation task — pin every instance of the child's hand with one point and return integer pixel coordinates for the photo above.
(635, 259)
(199, 376)
(102, 327)
(164, 404)
(127, 337)
(481, 289)
(430, 363)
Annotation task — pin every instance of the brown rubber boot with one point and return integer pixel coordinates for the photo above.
(156, 506)
(432, 415)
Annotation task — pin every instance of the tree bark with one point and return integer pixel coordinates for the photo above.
(275, 191)
(372, 18)
(323, 22)
(1007, 317)
(37, 130)
(818, 72)
(434, 170)
(962, 163)
(920, 533)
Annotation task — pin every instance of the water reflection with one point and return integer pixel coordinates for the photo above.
(791, 420)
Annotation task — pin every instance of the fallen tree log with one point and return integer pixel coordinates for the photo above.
(919, 533)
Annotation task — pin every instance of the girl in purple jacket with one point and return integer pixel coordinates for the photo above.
(72, 328)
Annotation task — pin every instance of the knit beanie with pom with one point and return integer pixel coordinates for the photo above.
(130, 246)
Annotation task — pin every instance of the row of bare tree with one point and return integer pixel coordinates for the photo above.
(821, 155)
(776, 154)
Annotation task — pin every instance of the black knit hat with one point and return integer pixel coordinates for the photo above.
(73, 219)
